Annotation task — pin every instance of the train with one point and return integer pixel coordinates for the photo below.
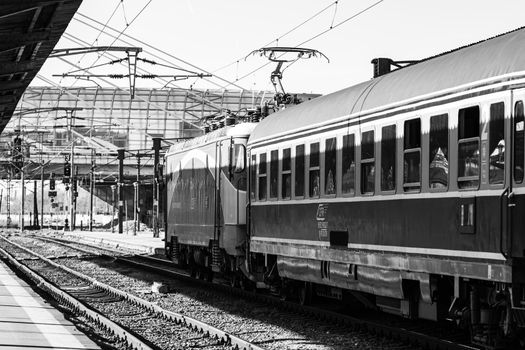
(404, 193)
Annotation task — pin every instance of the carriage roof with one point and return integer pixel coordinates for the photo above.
(237, 130)
(495, 57)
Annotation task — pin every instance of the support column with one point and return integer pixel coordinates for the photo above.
(120, 189)
(36, 223)
(42, 197)
(155, 212)
(73, 175)
(113, 204)
(135, 206)
(22, 208)
(138, 194)
(91, 190)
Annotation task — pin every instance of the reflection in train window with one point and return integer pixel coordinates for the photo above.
(274, 171)
(330, 166)
(286, 186)
(438, 152)
(497, 143)
(367, 163)
(314, 183)
(299, 170)
(348, 165)
(412, 155)
(518, 141)
(468, 148)
(252, 176)
(388, 158)
(262, 177)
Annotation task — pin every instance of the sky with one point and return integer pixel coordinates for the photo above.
(211, 34)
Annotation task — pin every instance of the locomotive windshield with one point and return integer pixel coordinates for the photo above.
(239, 158)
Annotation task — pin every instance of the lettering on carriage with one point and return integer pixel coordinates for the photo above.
(322, 224)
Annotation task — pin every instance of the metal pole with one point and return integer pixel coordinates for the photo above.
(72, 194)
(113, 202)
(35, 206)
(156, 149)
(135, 205)
(8, 202)
(22, 209)
(138, 194)
(120, 189)
(91, 190)
(126, 210)
(42, 196)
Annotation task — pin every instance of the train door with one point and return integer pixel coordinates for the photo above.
(516, 205)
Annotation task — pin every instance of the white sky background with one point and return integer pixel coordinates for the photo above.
(211, 34)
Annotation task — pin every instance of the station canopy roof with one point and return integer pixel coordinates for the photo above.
(29, 30)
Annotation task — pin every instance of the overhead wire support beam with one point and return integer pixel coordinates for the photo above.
(132, 58)
(122, 76)
(85, 50)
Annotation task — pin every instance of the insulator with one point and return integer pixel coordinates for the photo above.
(265, 111)
(230, 121)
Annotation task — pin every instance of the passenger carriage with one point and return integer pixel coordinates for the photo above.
(406, 190)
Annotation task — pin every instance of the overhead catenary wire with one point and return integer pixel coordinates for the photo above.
(314, 37)
(99, 32)
(122, 31)
(318, 13)
(153, 48)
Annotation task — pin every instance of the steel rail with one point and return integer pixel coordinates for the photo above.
(193, 324)
(67, 299)
(408, 335)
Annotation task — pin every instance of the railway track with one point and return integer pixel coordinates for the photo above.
(423, 334)
(136, 322)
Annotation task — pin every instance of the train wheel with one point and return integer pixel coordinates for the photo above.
(304, 293)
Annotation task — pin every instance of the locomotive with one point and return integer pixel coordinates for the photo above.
(404, 192)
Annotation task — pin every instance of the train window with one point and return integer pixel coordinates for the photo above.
(412, 155)
(438, 152)
(348, 181)
(388, 158)
(262, 177)
(314, 182)
(330, 160)
(274, 171)
(519, 120)
(468, 147)
(367, 163)
(497, 143)
(299, 171)
(252, 176)
(286, 185)
(239, 157)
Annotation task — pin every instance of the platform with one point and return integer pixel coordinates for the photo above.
(143, 241)
(28, 322)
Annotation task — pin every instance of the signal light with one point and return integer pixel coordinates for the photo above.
(67, 170)
(52, 184)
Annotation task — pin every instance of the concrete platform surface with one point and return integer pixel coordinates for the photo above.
(143, 241)
(28, 322)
